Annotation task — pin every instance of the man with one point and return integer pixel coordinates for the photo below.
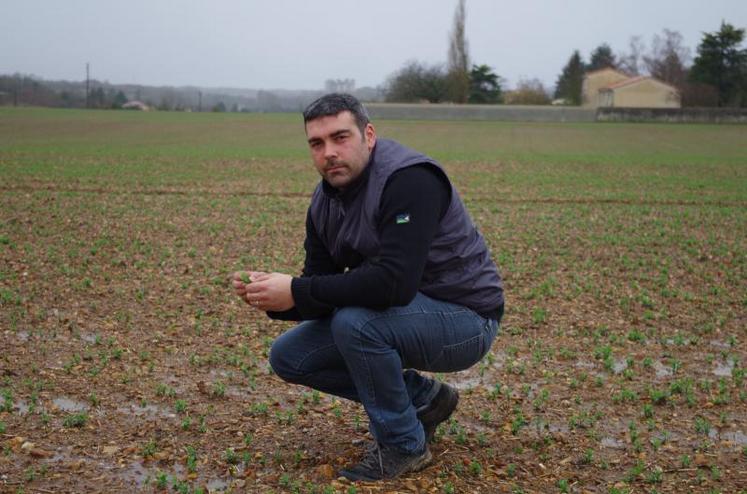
(396, 278)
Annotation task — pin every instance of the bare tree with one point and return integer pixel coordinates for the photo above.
(416, 82)
(458, 65)
(632, 62)
(668, 58)
(528, 92)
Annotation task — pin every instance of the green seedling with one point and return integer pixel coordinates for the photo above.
(162, 480)
(7, 405)
(149, 449)
(75, 420)
(245, 278)
(702, 426)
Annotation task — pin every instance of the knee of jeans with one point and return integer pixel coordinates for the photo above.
(280, 366)
(347, 326)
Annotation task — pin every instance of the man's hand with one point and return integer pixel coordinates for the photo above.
(266, 291)
(241, 279)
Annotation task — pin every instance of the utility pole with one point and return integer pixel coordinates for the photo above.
(88, 82)
(199, 104)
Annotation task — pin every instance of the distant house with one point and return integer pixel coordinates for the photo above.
(135, 105)
(612, 88)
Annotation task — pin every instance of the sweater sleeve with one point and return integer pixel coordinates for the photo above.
(412, 204)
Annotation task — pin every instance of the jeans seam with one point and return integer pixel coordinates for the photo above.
(369, 381)
(407, 314)
(454, 346)
(308, 355)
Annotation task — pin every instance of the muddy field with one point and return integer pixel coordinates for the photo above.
(127, 364)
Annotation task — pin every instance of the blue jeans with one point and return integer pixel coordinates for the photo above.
(361, 354)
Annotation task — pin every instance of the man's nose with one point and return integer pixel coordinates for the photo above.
(330, 150)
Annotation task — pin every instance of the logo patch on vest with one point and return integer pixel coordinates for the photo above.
(403, 218)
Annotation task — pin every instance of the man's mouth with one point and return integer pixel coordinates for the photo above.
(334, 168)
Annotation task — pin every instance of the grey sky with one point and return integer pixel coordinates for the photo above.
(298, 44)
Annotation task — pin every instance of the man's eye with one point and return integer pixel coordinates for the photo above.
(341, 138)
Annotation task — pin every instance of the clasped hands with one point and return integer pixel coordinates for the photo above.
(265, 291)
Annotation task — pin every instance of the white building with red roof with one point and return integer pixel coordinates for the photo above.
(612, 88)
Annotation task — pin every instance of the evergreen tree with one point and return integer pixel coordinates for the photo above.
(601, 58)
(571, 80)
(485, 85)
(119, 100)
(723, 64)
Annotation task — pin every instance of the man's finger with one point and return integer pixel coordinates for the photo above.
(255, 287)
(254, 301)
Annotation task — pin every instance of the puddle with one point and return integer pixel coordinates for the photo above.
(137, 474)
(619, 366)
(88, 338)
(611, 442)
(68, 405)
(21, 406)
(466, 382)
(151, 410)
(662, 370)
(558, 428)
(217, 485)
(219, 374)
(140, 475)
(724, 369)
(737, 438)
(584, 364)
(499, 359)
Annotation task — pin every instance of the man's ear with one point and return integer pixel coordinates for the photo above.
(370, 134)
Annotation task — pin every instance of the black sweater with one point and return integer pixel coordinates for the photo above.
(423, 194)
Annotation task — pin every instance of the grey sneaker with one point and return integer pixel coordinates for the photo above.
(386, 462)
(438, 410)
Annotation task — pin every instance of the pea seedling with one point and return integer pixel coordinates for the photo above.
(245, 278)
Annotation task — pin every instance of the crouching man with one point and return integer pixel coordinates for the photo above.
(397, 279)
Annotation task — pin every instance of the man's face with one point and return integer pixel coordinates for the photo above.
(339, 150)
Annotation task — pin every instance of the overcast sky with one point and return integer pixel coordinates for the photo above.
(298, 44)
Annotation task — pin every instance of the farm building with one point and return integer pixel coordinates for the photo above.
(612, 88)
(135, 105)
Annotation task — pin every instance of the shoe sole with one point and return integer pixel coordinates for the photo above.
(427, 459)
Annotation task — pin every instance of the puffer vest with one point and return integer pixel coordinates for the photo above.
(458, 268)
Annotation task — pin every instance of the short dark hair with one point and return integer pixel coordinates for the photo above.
(334, 103)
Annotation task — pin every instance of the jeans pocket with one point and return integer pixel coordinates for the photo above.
(460, 356)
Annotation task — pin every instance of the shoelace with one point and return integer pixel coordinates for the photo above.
(381, 462)
(370, 458)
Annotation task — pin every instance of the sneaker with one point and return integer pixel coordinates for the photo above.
(386, 462)
(438, 410)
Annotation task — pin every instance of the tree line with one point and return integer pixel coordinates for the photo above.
(717, 76)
